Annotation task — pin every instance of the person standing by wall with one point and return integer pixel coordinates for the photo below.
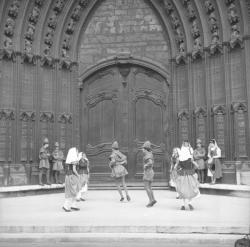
(58, 158)
(199, 156)
(117, 162)
(214, 163)
(44, 165)
(148, 175)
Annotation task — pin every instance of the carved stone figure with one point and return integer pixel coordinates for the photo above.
(179, 36)
(215, 46)
(76, 13)
(48, 40)
(39, 2)
(197, 49)
(181, 56)
(168, 7)
(195, 30)
(33, 18)
(28, 56)
(65, 63)
(30, 32)
(174, 20)
(66, 42)
(191, 12)
(59, 6)
(236, 38)
(209, 6)
(13, 10)
(52, 21)
(47, 59)
(232, 15)
(185, 2)
(229, 1)
(8, 51)
(83, 3)
(9, 27)
(213, 22)
(70, 27)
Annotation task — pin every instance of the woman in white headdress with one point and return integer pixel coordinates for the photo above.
(214, 164)
(117, 162)
(173, 172)
(83, 171)
(72, 186)
(148, 175)
(187, 184)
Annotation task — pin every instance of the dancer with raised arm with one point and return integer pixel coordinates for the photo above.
(117, 162)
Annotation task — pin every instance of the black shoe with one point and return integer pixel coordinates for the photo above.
(150, 205)
(82, 199)
(128, 198)
(122, 199)
(76, 209)
(183, 208)
(154, 202)
(191, 207)
(66, 210)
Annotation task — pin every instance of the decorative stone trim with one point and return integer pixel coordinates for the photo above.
(183, 115)
(7, 114)
(47, 117)
(27, 116)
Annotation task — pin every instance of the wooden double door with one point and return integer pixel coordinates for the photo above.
(126, 103)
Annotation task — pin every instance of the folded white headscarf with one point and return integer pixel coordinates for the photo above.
(72, 156)
(185, 153)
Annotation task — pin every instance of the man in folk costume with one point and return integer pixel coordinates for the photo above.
(117, 162)
(44, 166)
(58, 158)
(214, 164)
(148, 175)
(83, 171)
(72, 185)
(187, 184)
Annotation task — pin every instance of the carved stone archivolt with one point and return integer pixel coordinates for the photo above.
(47, 117)
(27, 116)
(65, 118)
(8, 52)
(7, 114)
(95, 99)
(218, 110)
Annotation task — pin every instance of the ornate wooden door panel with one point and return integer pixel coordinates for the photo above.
(150, 93)
(127, 104)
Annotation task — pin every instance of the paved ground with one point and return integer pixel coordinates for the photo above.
(103, 212)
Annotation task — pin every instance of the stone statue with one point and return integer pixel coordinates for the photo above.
(30, 32)
(52, 21)
(76, 13)
(49, 37)
(195, 30)
(83, 3)
(232, 15)
(8, 51)
(59, 6)
(66, 42)
(215, 46)
(28, 55)
(174, 20)
(168, 7)
(182, 54)
(213, 22)
(9, 27)
(197, 48)
(191, 11)
(236, 38)
(33, 18)
(13, 10)
(70, 26)
(179, 35)
(209, 6)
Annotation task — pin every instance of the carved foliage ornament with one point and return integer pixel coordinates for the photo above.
(200, 112)
(95, 99)
(219, 110)
(7, 114)
(47, 117)
(65, 118)
(183, 115)
(27, 116)
(239, 107)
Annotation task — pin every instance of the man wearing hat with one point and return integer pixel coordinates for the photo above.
(148, 175)
(58, 158)
(44, 166)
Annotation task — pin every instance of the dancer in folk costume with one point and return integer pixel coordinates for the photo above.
(148, 175)
(199, 158)
(58, 158)
(72, 185)
(187, 184)
(214, 164)
(117, 162)
(83, 171)
(44, 165)
(173, 171)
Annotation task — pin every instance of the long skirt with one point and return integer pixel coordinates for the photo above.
(119, 171)
(83, 179)
(187, 186)
(173, 177)
(215, 168)
(72, 186)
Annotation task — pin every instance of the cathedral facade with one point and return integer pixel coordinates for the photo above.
(88, 72)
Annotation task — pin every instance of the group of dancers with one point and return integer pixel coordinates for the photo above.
(187, 170)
